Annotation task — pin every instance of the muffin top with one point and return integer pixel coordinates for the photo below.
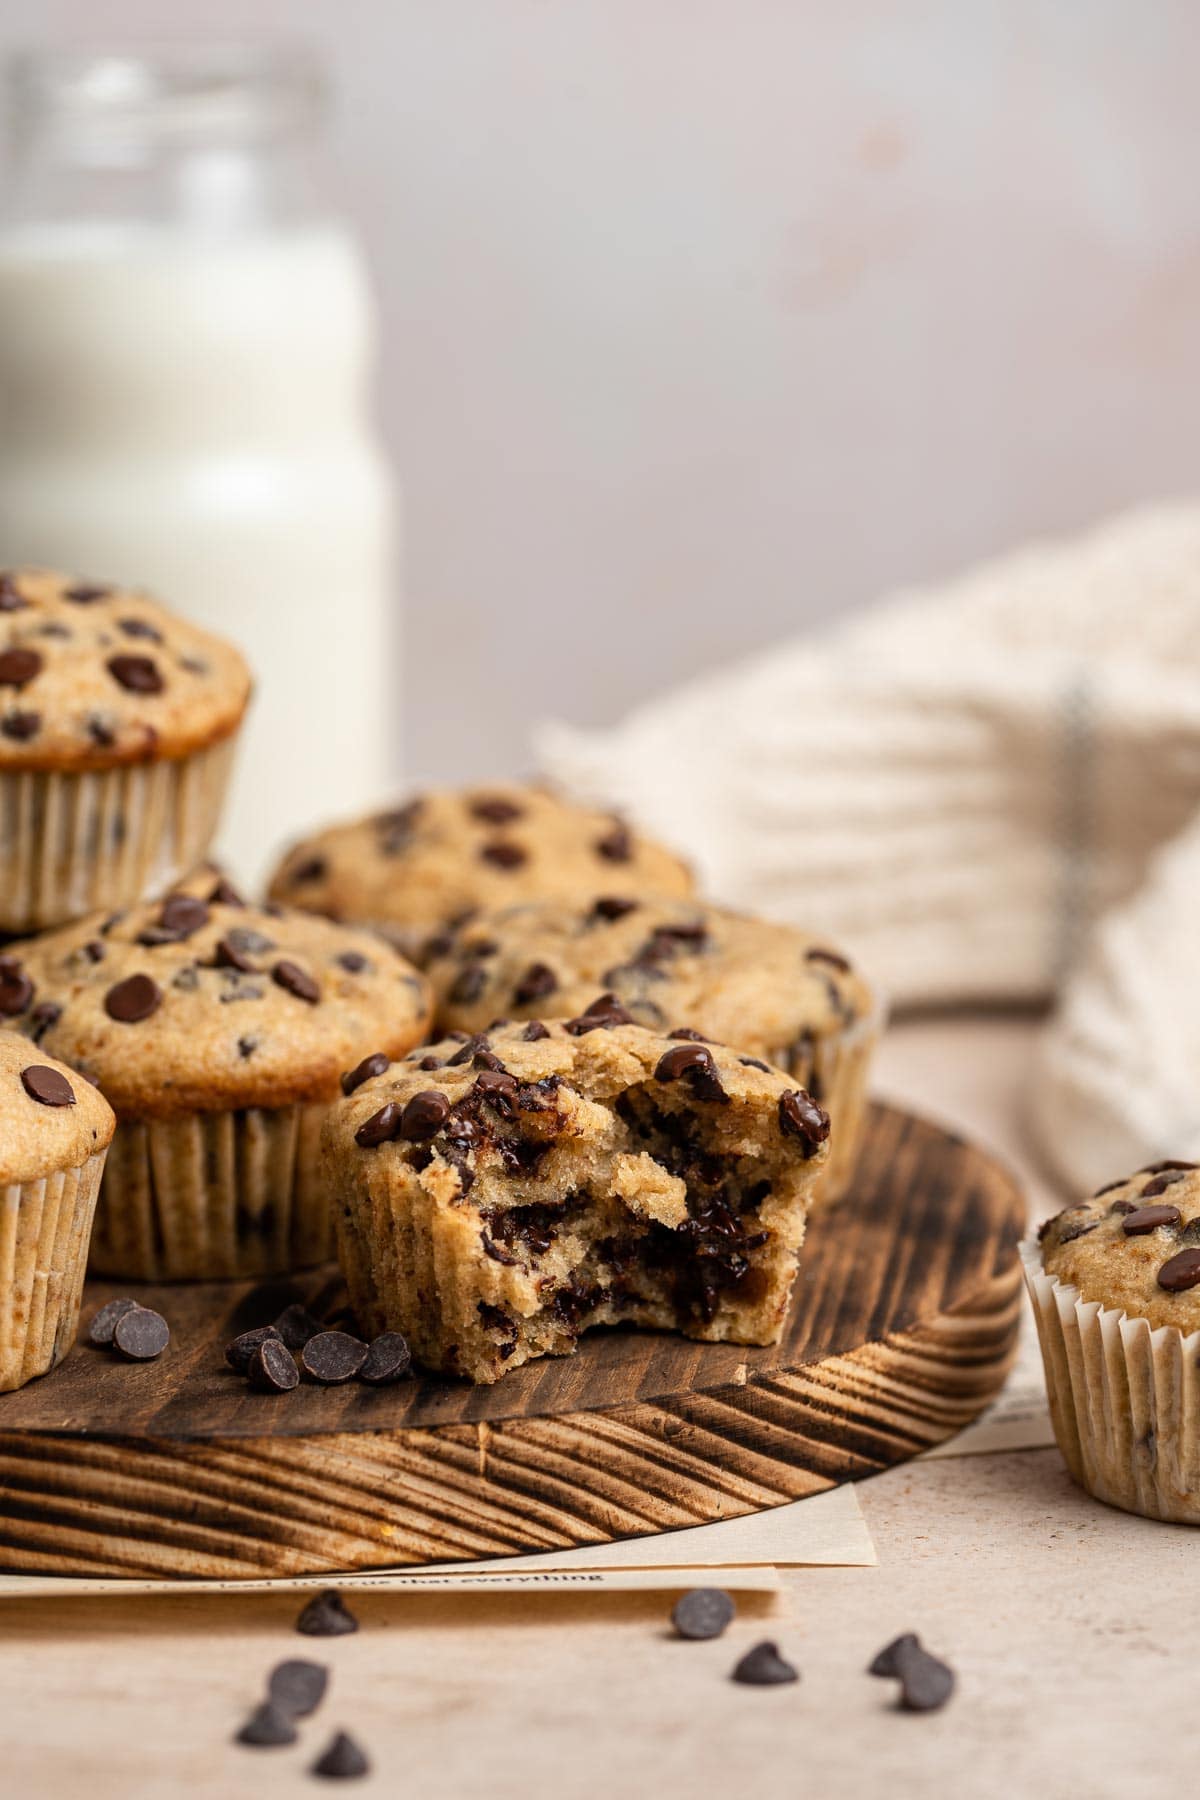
(761, 986)
(50, 1117)
(440, 857)
(94, 677)
(201, 1004)
(1135, 1245)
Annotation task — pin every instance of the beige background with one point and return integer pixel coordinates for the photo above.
(707, 318)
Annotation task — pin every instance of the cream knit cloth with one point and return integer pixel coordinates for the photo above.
(968, 785)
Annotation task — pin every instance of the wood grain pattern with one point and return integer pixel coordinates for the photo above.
(901, 1331)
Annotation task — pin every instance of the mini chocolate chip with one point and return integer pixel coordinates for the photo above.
(424, 1115)
(246, 1046)
(309, 868)
(18, 666)
(267, 1728)
(1158, 1168)
(388, 1359)
(503, 855)
(136, 674)
(535, 1031)
(613, 906)
(326, 1615)
(1118, 1206)
(295, 980)
(141, 1334)
(887, 1661)
(617, 845)
(341, 1760)
(140, 628)
(1181, 1272)
(45, 1014)
(468, 986)
(752, 1062)
(353, 961)
(296, 1325)
(764, 1667)
(687, 1035)
(133, 999)
(296, 1687)
(494, 809)
(225, 894)
(538, 981)
(816, 954)
(1161, 1183)
(272, 1368)
(240, 1352)
(21, 726)
(86, 594)
(11, 598)
(801, 1117)
(94, 950)
(183, 914)
(366, 1070)
(603, 1014)
(702, 1613)
(47, 1086)
(100, 1331)
(16, 989)
(1148, 1218)
(333, 1357)
(380, 1128)
(226, 955)
(428, 1064)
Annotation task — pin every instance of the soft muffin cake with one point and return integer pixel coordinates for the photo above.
(498, 1195)
(418, 868)
(117, 725)
(218, 1032)
(768, 990)
(54, 1131)
(1135, 1245)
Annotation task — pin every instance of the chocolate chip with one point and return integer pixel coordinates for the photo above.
(47, 1086)
(183, 914)
(535, 1031)
(240, 1352)
(225, 894)
(816, 954)
(1149, 1218)
(1158, 1168)
(297, 1687)
(353, 961)
(424, 1115)
(366, 1070)
(693, 1063)
(326, 1615)
(380, 1128)
(887, 1661)
(1181, 1272)
(536, 983)
(21, 726)
(494, 809)
(16, 989)
(603, 1014)
(388, 1359)
(296, 1325)
(85, 594)
(100, 1331)
(617, 845)
(613, 906)
(141, 1334)
(11, 598)
(94, 950)
(272, 1368)
(101, 732)
(333, 1357)
(925, 1682)
(140, 628)
(267, 1728)
(133, 999)
(1161, 1183)
(801, 1117)
(18, 666)
(764, 1667)
(295, 980)
(341, 1760)
(752, 1062)
(136, 674)
(702, 1613)
(468, 986)
(503, 855)
(686, 1035)
(428, 1064)
(45, 1014)
(1118, 1206)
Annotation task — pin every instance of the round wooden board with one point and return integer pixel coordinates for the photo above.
(902, 1329)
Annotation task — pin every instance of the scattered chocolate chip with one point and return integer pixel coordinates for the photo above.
(380, 1128)
(1161, 1183)
(801, 1117)
(494, 809)
(11, 597)
(295, 980)
(535, 1031)
(85, 594)
(227, 955)
(333, 1357)
(536, 983)
(267, 1728)
(617, 845)
(816, 954)
(18, 666)
(388, 1359)
(140, 628)
(342, 1760)
(887, 1661)
(1148, 1218)
(1181, 1272)
(225, 894)
(296, 1325)
(326, 1615)
(21, 726)
(1118, 1206)
(428, 1064)
(764, 1667)
(94, 950)
(297, 1687)
(603, 1014)
(366, 1070)
(503, 855)
(240, 1352)
(141, 1334)
(133, 999)
(183, 913)
(424, 1115)
(100, 1331)
(925, 1682)
(702, 1613)
(136, 674)
(353, 961)
(16, 989)
(272, 1368)
(47, 1086)
(613, 906)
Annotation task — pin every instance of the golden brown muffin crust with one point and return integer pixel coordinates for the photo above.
(50, 1117)
(1134, 1246)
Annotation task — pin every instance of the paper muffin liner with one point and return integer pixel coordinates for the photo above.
(840, 1062)
(44, 1230)
(212, 1196)
(92, 840)
(1124, 1399)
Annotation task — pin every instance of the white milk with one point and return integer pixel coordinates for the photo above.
(187, 413)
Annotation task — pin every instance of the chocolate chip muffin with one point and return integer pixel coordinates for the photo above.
(767, 990)
(117, 730)
(419, 868)
(219, 1033)
(54, 1132)
(501, 1194)
(1115, 1282)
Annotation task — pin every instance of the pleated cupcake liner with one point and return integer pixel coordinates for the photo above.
(840, 1062)
(214, 1196)
(1124, 1398)
(93, 840)
(44, 1230)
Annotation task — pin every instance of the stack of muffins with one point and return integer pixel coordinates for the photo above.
(488, 1046)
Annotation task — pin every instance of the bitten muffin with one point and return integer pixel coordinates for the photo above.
(54, 1132)
(117, 729)
(498, 1196)
(768, 990)
(415, 870)
(218, 1032)
(1115, 1282)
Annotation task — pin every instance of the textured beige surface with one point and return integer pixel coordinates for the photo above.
(36, 1140)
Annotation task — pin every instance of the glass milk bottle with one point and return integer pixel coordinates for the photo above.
(186, 341)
